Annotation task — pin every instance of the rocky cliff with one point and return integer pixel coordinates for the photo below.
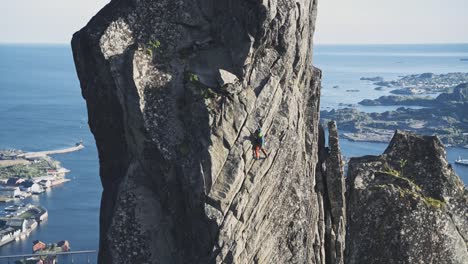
(175, 90)
(330, 188)
(406, 205)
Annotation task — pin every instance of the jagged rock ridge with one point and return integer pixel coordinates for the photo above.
(174, 91)
(331, 195)
(406, 205)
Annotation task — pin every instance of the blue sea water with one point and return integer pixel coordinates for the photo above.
(41, 108)
(344, 65)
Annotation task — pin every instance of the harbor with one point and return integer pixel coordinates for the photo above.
(18, 221)
(24, 175)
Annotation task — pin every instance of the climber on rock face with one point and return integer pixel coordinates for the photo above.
(259, 142)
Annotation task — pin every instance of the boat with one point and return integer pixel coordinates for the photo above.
(461, 161)
(12, 208)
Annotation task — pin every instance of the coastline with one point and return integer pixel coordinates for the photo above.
(381, 138)
(30, 218)
(17, 187)
(39, 154)
(45, 113)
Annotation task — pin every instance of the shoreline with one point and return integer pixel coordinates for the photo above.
(346, 136)
(31, 222)
(17, 186)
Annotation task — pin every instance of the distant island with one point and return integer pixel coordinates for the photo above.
(373, 79)
(420, 84)
(445, 116)
(388, 100)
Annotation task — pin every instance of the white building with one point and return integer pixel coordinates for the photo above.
(57, 173)
(17, 223)
(10, 192)
(31, 187)
(7, 234)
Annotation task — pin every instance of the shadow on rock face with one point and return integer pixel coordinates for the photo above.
(175, 158)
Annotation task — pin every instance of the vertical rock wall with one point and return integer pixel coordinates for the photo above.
(331, 195)
(175, 90)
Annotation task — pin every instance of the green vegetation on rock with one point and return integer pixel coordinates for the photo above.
(434, 203)
(414, 191)
(208, 93)
(153, 45)
(193, 77)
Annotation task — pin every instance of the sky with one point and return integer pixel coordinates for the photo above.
(339, 21)
(392, 21)
(44, 21)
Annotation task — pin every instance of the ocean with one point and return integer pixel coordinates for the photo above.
(41, 108)
(344, 65)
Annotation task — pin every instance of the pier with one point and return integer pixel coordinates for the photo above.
(33, 155)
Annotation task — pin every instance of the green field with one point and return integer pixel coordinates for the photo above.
(35, 169)
(26, 215)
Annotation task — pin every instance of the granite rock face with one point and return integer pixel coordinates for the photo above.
(406, 205)
(331, 194)
(174, 91)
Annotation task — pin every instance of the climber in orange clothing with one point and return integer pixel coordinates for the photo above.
(259, 142)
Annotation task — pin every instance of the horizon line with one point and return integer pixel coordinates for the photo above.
(392, 43)
(315, 44)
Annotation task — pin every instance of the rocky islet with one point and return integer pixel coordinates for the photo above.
(424, 83)
(444, 116)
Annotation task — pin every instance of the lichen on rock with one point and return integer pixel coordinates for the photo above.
(175, 138)
(402, 205)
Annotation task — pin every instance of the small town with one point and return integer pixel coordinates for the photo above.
(19, 188)
(22, 175)
(18, 221)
